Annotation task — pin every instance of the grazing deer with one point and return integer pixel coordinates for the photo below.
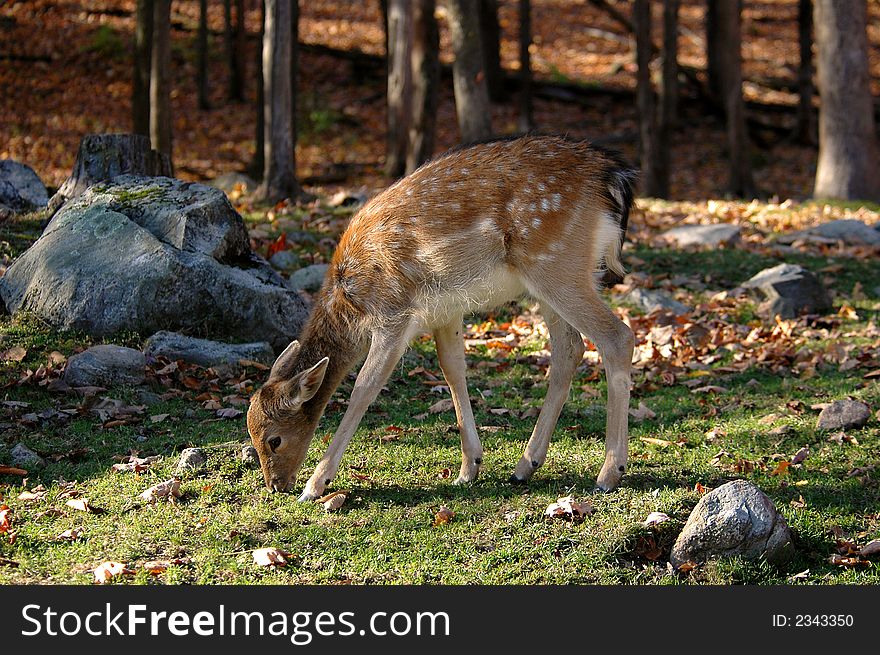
(476, 227)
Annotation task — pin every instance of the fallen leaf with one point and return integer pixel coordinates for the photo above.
(445, 473)
(79, 504)
(655, 518)
(14, 354)
(800, 503)
(270, 557)
(444, 405)
(335, 502)
(11, 470)
(106, 571)
(169, 489)
(710, 388)
(158, 418)
(656, 442)
(700, 489)
(70, 535)
(157, 567)
(841, 560)
(781, 468)
(800, 455)
(686, 567)
(28, 496)
(568, 507)
(5, 523)
(870, 548)
(443, 515)
(229, 412)
(714, 433)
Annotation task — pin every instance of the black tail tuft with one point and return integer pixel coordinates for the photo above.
(620, 185)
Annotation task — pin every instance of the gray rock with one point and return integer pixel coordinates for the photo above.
(249, 456)
(722, 234)
(149, 254)
(228, 181)
(301, 237)
(205, 352)
(20, 187)
(649, 300)
(104, 366)
(148, 398)
(736, 519)
(850, 231)
(284, 259)
(21, 455)
(309, 278)
(789, 291)
(191, 459)
(844, 415)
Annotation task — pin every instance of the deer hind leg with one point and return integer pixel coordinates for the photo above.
(386, 349)
(567, 352)
(582, 306)
(450, 353)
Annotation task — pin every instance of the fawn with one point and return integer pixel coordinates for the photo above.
(476, 227)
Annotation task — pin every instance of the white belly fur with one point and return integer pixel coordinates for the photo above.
(498, 286)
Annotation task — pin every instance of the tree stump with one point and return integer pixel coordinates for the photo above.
(104, 156)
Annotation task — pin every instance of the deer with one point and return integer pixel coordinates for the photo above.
(481, 225)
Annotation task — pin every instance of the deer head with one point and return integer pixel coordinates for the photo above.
(280, 421)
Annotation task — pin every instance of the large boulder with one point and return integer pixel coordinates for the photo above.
(205, 352)
(20, 188)
(703, 236)
(149, 254)
(849, 230)
(736, 519)
(789, 290)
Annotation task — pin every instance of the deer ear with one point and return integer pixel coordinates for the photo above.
(310, 380)
(284, 359)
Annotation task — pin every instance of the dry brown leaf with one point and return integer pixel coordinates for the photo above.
(642, 412)
(5, 522)
(656, 442)
(14, 354)
(800, 455)
(700, 489)
(781, 468)
(443, 515)
(655, 518)
(568, 507)
(841, 560)
(70, 535)
(870, 548)
(229, 412)
(79, 504)
(335, 502)
(270, 556)
(157, 567)
(11, 470)
(710, 388)
(443, 405)
(169, 489)
(106, 571)
(158, 418)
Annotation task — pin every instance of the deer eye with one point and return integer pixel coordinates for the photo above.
(274, 442)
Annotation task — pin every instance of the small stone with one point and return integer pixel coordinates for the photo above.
(649, 300)
(20, 187)
(735, 519)
(192, 459)
(844, 415)
(148, 398)
(249, 456)
(850, 231)
(721, 234)
(105, 365)
(229, 182)
(284, 259)
(309, 278)
(205, 352)
(21, 455)
(789, 290)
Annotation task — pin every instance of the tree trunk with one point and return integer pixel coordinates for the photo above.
(234, 41)
(741, 183)
(294, 77)
(425, 66)
(468, 75)
(669, 88)
(160, 79)
(202, 55)
(805, 126)
(848, 165)
(490, 35)
(654, 177)
(526, 116)
(258, 162)
(714, 50)
(279, 173)
(240, 42)
(104, 156)
(400, 19)
(143, 45)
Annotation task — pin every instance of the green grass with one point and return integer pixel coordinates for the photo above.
(384, 533)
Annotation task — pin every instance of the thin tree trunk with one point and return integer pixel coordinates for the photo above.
(468, 74)
(160, 79)
(294, 76)
(714, 51)
(143, 45)
(400, 18)
(669, 88)
(235, 85)
(654, 182)
(806, 125)
(490, 31)
(849, 157)
(240, 48)
(526, 117)
(279, 178)
(202, 55)
(258, 162)
(425, 64)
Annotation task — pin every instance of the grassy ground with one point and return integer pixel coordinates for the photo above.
(399, 467)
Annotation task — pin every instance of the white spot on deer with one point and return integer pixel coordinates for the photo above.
(545, 205)
(465, 171)
(533, 207)
(536, 222)
(542, 187)
(555, 201)
(557, 246)
(454, 206)
(545, 258)
(551, 179)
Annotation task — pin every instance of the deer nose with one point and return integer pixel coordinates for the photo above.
(277, 485)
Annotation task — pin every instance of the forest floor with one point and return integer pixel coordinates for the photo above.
(720, 393)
